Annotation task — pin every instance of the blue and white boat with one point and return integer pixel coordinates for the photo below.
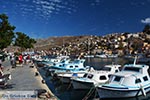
(103, 55)
(94, 77)
(133, 80)
(65, 76)
(56, 62)
(75, 65)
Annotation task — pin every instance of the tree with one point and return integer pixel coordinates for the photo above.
(146, 32)
(24, 41)
(136, 44)
(6, 32)
(147, 29)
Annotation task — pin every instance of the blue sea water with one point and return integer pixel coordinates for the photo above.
(66, 92)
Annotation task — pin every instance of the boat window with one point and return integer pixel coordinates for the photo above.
(76, 66)
(90, 76)
(85, 75)
(145, 78)
(109, 76)
(132, 69)
(116, 70)
(103, 77)
(71, 66)
(59, 65)
(63, 61)
(117, 78)
(81, 69)
(137, 81)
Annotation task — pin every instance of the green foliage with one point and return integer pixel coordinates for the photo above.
(24, 41)
(7, 35)
(6, 32)
(137, 44)
(146, 34)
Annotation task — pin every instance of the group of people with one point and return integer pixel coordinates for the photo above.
(1, 68)
(19, 59)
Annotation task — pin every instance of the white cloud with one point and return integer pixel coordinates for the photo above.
(146, 20)
(48, 7)
(96, 2)
(58, 1)
(44, 3)
(60, 6)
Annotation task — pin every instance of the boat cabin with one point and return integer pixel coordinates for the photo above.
(131, 75)
(99, 77)
(102, 75)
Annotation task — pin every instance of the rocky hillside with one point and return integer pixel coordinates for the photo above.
(45, 44)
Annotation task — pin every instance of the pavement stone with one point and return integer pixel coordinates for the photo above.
(24, 79)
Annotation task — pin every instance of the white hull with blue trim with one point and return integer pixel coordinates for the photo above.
(105, 92)
(132, 81)
(95, 77)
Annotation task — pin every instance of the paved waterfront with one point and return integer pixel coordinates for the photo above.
(24, 79)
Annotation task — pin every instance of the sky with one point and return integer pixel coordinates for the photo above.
(46, 18)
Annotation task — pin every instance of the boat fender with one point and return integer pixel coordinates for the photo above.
(142, 90)
(75, 75)
(36, 73)
(43, 81)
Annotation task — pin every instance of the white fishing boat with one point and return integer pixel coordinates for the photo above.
(59, 62)
(75, 65)
(65, 76)
(132, 81)
(89, 56)
(112, 55)
(95, 77)
(101, 55)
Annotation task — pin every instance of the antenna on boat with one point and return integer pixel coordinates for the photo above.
(135, 60)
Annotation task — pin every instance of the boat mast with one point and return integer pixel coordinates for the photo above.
(135, 60)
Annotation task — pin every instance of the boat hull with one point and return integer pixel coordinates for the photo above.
(82, 85)
(64, 79)
(111, 93)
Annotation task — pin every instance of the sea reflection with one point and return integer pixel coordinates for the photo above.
(147, 97)
(98, 63)
(66, 92)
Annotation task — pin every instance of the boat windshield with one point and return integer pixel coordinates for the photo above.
(90, 76)
(135, 69)
(85, 75)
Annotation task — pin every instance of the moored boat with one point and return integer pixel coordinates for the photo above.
(75, 65)
(95, 77)
(65, 76)
(133, 80)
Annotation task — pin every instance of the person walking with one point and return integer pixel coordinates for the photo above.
(1, 67)
(12, 61)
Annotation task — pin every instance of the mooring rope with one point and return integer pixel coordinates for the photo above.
(89, 93)
(69, 85)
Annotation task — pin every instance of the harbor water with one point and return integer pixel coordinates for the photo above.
(66, 91)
